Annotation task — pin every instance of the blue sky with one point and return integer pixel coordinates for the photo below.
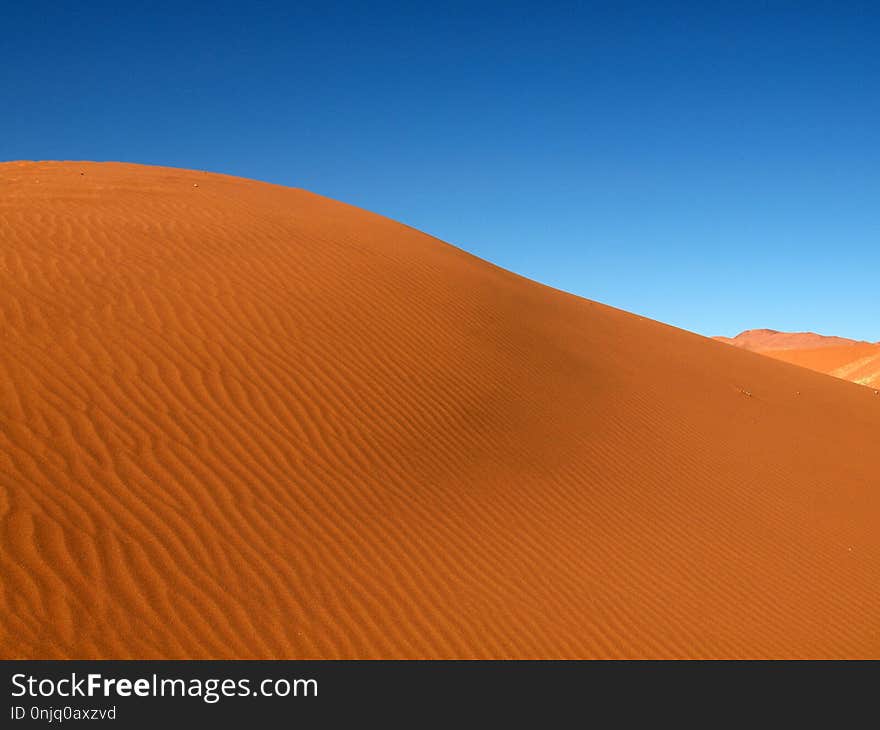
(714, 165)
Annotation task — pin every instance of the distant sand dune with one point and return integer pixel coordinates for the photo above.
(858, 362)
(764, 340)
(239, 420)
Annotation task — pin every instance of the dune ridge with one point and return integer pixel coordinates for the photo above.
(766, 340)
(858, 362)
(239, 420)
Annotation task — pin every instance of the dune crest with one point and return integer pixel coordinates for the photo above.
(239, 420)
(858, 362)
(764, 340)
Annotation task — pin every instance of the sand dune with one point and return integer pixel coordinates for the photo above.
(858, 363)
(851, 360)
(240, 420)
(764, 340)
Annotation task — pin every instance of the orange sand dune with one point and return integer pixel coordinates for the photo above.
(858, 362)
(764, 340)
(242, 420)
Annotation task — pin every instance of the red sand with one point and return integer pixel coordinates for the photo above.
(241, 420)
(765, 340)
(858, 362)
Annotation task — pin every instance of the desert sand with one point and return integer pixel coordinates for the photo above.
(858, 362)
(239, 420)
(764, 340)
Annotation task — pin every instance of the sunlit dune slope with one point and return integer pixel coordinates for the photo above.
(241, 420)
(858, 362)
(764, 340)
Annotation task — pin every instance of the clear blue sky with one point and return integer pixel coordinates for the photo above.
(714, 165)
